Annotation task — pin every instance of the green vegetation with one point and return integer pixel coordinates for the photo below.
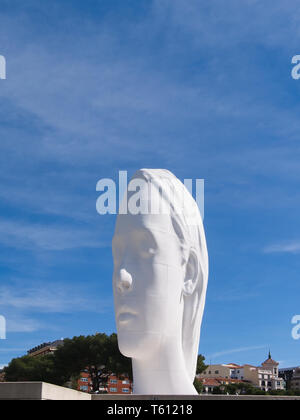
(98, 354)
(248, 389)
(201, 366)
(239, 388)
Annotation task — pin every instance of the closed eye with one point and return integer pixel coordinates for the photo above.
(117, 248)
(146, 243)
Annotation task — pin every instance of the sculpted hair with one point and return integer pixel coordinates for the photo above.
(188, 227)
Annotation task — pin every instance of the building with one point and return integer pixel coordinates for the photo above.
(268, 376)
(45, 348)
(119, 385)
(287, 374)
(295, 381)
(209, 384)
(265, 377)
(85, 383)
(114, 384)
(227, 371)
(2, 375)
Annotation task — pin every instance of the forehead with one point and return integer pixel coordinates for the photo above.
(127, 223)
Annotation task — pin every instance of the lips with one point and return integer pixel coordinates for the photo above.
(126, 317)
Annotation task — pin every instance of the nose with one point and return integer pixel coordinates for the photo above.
(124, 281)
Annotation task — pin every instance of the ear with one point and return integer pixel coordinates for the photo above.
(191, 274)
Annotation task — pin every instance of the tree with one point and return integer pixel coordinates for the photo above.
(98, 354)
(27, 368)
(243, 388)
(81, 353)
(116, 362)
(201, 366)
(198, 386)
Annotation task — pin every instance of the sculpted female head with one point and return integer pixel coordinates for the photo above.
(160, 280)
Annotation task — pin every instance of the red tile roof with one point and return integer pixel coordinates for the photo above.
(270, 362)
(218, 381)
(234, 365)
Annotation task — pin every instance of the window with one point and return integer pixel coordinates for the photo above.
(113, 381)
(125, 382)
(113, 389)
(216, 372)
(84, 388)
(84, 379)
(126, 390)
(209, 372)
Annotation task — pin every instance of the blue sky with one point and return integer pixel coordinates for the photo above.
(203, 89)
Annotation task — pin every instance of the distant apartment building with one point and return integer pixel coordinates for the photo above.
(45, 348)
(265, 377)
(227, 371)
(295, 381)
(287, 374)
(85, 383)
(119, 385)
(113, 384)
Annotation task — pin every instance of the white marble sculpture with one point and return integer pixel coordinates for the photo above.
(159, 282)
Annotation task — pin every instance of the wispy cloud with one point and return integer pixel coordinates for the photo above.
(292, 247)
(17, 323)
(236, 350)
(11, 350)
(46, 237)
(234, 24)
(50, 299)
(234, 296)
(202, 90)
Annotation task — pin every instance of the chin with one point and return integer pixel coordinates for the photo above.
(136, 345)
(127, 344)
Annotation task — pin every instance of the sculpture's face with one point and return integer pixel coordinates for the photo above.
(147, 283)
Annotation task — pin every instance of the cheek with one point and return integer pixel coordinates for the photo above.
(148, 279)
(158, 297)
(153, 278)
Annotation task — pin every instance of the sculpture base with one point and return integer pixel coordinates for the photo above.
(44, 391)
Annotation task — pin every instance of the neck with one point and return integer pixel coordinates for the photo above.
(163, 373)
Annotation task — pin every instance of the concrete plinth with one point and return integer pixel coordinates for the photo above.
(39, 391)
(209, 397)
(44, 391)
